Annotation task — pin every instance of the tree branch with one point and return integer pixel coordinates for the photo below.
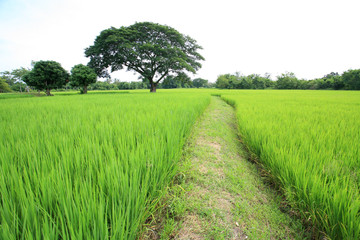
(135, 68)
(166, 73)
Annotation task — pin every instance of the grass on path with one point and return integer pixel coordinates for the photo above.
(220, 194)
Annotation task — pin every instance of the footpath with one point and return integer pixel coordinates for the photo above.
(223, 195)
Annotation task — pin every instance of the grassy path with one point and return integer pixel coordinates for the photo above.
(222, 195)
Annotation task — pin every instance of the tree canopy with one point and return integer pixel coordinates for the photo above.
(200, 82)
(180, 81)
(150, 49)
(352, 79)
(46, 75)
(4, 86)
(82, 75)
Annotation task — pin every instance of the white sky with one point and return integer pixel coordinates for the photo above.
(308, 37)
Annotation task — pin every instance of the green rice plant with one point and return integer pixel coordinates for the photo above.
(89, 166)
(16, 95)
(309, 142)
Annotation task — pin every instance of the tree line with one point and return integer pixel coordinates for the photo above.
(49, 75)
(45, 76)
(349, 80)
(161, 56)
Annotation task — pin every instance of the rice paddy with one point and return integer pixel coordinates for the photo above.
(95, 166)
(309, 142)
(89, 167)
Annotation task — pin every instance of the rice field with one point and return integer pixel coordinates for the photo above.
(309, 142)
(89, 166)
(95, 166)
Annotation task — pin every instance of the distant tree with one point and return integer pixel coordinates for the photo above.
(222, 81)
(286, 80)
(103, 86)
(18, 86)
(268, 82)
(82, 76)
(325, 83)
(330, 75)
(152, 50)
(15, 76)
(257, 82)
(234, 81)
(7, 76)
(122, 85)
(338, 82)
(179, 81)
(4, 86)
(199, 82)
(304, 84)
(351, 79)
(183, 80)
(46, 75)
(169, 82)
(211, 85)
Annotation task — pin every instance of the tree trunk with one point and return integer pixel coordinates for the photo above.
(85, 89)
(48, 92)
(152, 87)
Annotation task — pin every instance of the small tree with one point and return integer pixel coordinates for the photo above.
(4, 87)
(82, 76)
(46, 75)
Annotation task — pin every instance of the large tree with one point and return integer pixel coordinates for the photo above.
(46, 75)
(150, 49)
(82, 75)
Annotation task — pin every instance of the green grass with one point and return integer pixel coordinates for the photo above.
(89, 166)
(309, 142)
(73, 92)
(15, 95)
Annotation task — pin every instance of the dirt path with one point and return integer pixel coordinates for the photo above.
(224, 196)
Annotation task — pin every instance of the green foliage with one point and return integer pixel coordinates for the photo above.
(309, 142)
(14, 77)
(46, 75)
(89, 167)
(130, 85)
(200, 83)
(150, 49)
(287, 80)
(102, 86)
(7, 77)
(238, 81)
(223, 81)
(82, 75)
(117, 85)
(19, 87)
(4, 86)
(352, 79)
(179, 81)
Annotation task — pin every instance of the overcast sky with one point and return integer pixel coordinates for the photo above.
(308, 37)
